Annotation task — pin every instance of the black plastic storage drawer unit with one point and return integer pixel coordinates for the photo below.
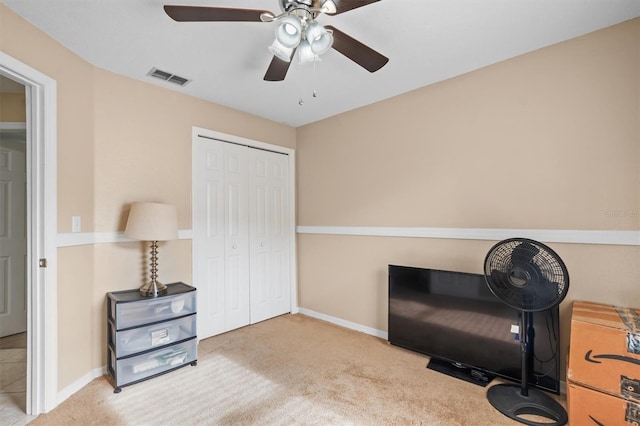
(149, 336)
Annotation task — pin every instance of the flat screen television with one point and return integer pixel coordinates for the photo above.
(467, 331)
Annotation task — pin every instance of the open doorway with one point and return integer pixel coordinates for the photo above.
(39, 226)
(13, 249)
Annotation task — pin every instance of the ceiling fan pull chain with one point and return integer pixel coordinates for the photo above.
(300, 86)
(315, 80)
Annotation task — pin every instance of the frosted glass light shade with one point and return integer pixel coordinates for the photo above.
(314, 31)
(322, 45)
(289, 31)
(319, 38)
(152, 222)
(305, 53)
(281, 51)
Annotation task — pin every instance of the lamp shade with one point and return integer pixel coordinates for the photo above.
(152, 222)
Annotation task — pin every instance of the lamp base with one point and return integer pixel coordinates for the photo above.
(153, 289)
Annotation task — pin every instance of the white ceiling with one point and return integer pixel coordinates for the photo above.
(426, 41)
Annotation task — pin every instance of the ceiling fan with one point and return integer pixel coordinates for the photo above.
(298, 31)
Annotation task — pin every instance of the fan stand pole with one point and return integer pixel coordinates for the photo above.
(515, 401)
(526, 341)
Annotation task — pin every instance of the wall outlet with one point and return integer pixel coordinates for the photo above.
(76, 224)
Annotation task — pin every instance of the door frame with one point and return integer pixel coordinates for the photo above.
(197, 132)
(42, 304)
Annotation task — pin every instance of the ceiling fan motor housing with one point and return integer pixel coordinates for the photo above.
(288, 5)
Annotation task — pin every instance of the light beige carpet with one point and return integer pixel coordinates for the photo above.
(285, 371)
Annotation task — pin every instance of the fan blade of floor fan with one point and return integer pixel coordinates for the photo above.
(359, 53)
(277, 70)
(347, 5)
(221, 14)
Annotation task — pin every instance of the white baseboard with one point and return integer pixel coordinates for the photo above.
(344, 323)
(83, 381)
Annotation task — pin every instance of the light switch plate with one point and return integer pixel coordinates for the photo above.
(76, 224)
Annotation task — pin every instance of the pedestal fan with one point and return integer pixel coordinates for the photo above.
(530, 277)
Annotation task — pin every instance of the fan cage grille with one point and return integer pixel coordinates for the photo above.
(526, 275)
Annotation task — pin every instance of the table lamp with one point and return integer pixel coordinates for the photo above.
(152, 222)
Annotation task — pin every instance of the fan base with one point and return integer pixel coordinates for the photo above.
(508, 399)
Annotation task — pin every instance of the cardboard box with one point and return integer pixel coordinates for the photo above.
(604, 351)
(589, 407)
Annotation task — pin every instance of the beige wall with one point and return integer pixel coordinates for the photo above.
(12, 107)
(547, 140)
(119, 140)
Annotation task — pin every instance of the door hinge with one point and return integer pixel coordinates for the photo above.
(43, 263)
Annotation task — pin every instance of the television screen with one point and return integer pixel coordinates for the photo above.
(455, 319)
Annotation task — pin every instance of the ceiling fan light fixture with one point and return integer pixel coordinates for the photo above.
(322, 45)
(319, 38)
(305, 53)
(289, 32)
(283, 52)
(314, 31)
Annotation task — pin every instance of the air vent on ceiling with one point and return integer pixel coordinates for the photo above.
(167, 76)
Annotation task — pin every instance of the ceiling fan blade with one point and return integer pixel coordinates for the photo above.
(347, 5)
(359, 53)
(221, 14)
(277, 70)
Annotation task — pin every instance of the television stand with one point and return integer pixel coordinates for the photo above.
(468, 374)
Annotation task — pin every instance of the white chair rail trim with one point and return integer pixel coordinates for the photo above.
(625, 238)
(631, 238)
(86, 238)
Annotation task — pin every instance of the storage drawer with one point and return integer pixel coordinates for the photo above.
(143, 338)
(132, 314)
(140, 367)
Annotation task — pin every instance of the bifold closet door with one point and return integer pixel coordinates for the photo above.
(221, 236)
(241, 235)
(269, 224)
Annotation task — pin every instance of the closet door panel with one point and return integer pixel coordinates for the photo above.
(236, 236)
(280, 220)
(209, 218)
(269, 237)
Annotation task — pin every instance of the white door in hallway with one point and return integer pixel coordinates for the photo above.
(13, 239)
(241, 235)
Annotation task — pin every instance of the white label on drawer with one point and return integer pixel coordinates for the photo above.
(160, 337)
